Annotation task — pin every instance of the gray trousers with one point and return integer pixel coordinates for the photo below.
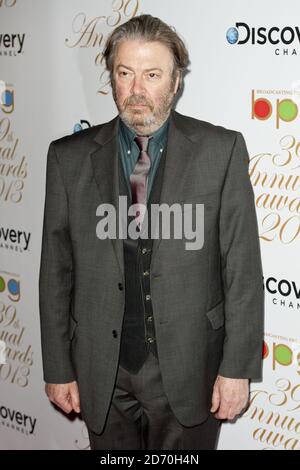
(140, 417)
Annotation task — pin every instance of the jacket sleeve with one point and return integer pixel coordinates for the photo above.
(241, 270)
(55, 279)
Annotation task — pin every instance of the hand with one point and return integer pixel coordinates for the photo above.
(66, 396)
(230, 397)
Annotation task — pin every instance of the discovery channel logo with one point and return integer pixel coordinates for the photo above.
(242, 34)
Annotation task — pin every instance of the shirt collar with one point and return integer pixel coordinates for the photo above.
(159, 137)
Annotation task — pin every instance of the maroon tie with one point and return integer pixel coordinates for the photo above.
(139, 179)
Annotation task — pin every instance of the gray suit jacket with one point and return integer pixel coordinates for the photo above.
(208, 304)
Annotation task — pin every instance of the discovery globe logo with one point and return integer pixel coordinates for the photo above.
(281, 37)
(80, 126)
(232, 35)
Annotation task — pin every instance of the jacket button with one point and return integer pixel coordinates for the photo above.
(120, 285)
(115, 334)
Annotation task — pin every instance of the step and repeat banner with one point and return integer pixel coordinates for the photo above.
(244, 75)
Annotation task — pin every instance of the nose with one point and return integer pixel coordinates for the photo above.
(137, 86)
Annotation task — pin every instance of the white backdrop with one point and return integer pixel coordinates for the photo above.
(52, 81)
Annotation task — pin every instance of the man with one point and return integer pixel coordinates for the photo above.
(152, 342)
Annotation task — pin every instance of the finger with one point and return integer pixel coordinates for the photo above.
(223, 410)
(65, 406)
(75, 399)
(215, 400)
(232, 414)
(64, 403)
(236, 410)
(245, 406)
(233, 411)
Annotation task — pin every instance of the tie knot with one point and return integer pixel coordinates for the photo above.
(142, 141)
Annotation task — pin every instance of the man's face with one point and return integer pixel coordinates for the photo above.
(143, 85)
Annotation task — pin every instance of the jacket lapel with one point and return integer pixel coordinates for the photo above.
(179, 156)
(105, 166)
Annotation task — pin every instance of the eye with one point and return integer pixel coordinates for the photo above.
(123, 73)
(153, 75)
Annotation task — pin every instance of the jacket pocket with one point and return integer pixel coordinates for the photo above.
(216, 315)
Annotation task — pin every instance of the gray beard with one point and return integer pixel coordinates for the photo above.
(144, 126)
(147, 125)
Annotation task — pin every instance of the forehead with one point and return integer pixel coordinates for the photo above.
(142, 54)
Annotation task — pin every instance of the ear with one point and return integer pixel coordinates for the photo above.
(177, 83)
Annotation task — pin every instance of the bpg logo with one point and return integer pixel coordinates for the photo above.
(282, 355)
(7, 102)
(285, 110)
(2, 352)
(7, 3)
(10, 286)
(242, 33)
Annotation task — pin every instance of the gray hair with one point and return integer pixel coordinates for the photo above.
(149, 29)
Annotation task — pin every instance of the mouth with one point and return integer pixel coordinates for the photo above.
(138, 105)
